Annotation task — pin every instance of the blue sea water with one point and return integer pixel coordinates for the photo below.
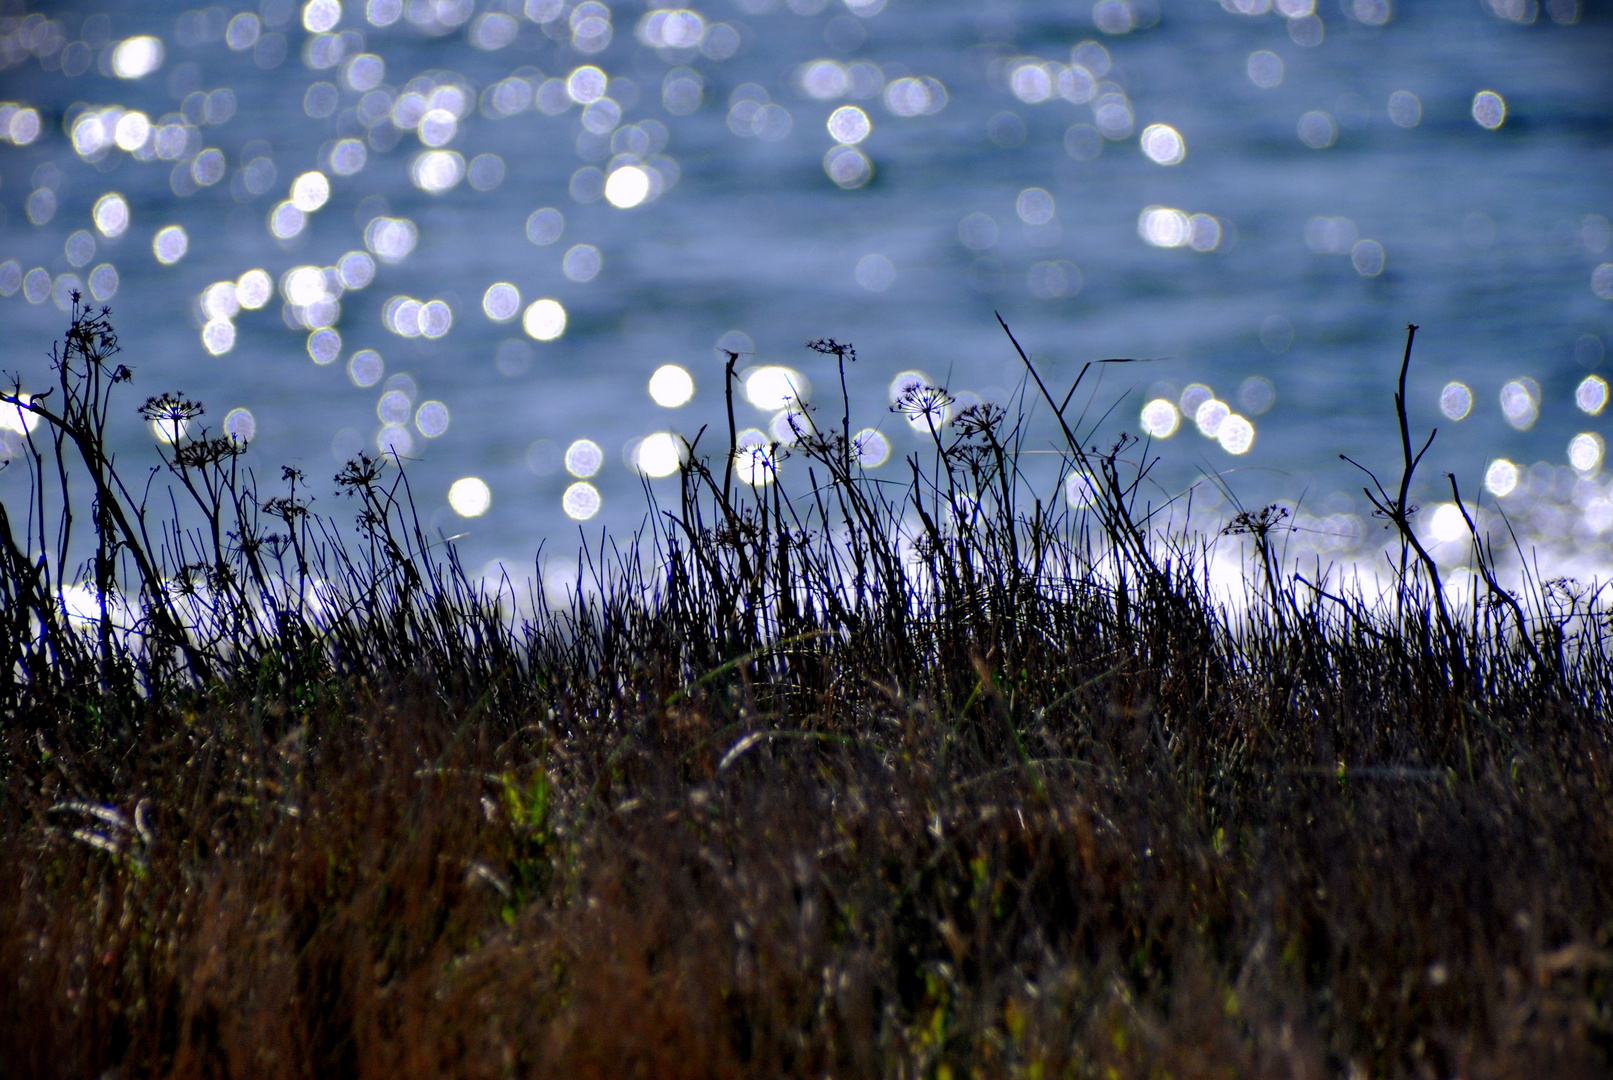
(1255, 199)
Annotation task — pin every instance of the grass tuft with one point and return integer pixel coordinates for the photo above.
(861, 779)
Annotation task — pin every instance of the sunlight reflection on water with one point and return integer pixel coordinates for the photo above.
(277, 197)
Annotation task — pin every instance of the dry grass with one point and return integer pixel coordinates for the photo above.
(787, 804)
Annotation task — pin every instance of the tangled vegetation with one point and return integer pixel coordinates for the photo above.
(855, 780)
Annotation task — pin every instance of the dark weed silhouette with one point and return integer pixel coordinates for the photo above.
(928, 779)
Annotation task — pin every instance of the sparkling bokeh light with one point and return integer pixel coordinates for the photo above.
(518, 244)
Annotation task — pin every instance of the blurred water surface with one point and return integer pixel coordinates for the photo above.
(510, 240)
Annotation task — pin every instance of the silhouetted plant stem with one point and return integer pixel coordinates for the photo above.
(1483, 559)
(1398, 511)
(733, 431)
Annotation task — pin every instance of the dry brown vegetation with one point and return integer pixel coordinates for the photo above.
(772, 800)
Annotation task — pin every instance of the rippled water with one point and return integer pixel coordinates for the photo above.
(507, 239)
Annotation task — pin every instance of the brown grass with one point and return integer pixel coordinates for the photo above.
(1031, 806)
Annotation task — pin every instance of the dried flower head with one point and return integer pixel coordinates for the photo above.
(171, 409)
(927, 403)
